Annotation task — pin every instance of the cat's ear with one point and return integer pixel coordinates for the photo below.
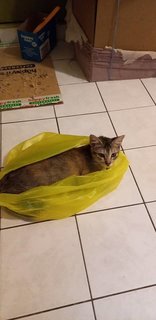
(116, 142)
(95, 141)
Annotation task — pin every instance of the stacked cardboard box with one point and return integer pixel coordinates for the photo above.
(112, 24)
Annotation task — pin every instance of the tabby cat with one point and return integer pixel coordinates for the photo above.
(99, 154)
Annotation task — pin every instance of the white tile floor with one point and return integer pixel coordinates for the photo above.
(99, 265)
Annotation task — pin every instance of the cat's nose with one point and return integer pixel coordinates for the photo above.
(108, 163)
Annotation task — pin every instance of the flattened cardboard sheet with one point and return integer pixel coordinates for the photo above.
(24, 83)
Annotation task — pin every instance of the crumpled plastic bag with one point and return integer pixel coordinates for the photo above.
(66, 197)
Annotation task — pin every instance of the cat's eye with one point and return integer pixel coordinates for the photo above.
(101, 155)
(113, 155)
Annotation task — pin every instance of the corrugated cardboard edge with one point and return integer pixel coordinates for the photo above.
(110, 64)
(36, 102)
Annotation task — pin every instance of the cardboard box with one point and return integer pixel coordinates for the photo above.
(127, 24)
(108, 64)
(35, 46)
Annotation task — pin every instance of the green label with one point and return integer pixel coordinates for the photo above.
(47, 100)
(11, 104)
(18, 103)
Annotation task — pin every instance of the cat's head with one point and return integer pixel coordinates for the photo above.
(105, 150)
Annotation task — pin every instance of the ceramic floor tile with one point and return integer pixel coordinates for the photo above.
(119, 248)
(77, 312)
(14, 133)
(41, 268)
(79, 99)
(126, 194)
(150, 84)
(152, 210)
(142, 162)
(68, 72)
(28, 114)
(63, 50)
(124, 94)
(41, 263)
(9, 219)
(138, 125)
(98, 124)
(139, 305)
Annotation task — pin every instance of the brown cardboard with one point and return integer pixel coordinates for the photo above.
(85, 13)
(107, 64)
(136, 28)
(24, 83)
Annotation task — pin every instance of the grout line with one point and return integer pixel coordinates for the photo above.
(56, 120)
(108, 209)
(24, 224)
(81, 114)
(132, 108)
(82, 302)
(49, 310)
(147, 91)
(143, 199)
(31, 120)
(74, 115)
(77, 214)
(85, 266)
(150, 201)
(142, 147)
(150, 217)
(129, 166)
(124, 292)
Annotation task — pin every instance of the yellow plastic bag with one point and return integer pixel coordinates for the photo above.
(66, 197)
